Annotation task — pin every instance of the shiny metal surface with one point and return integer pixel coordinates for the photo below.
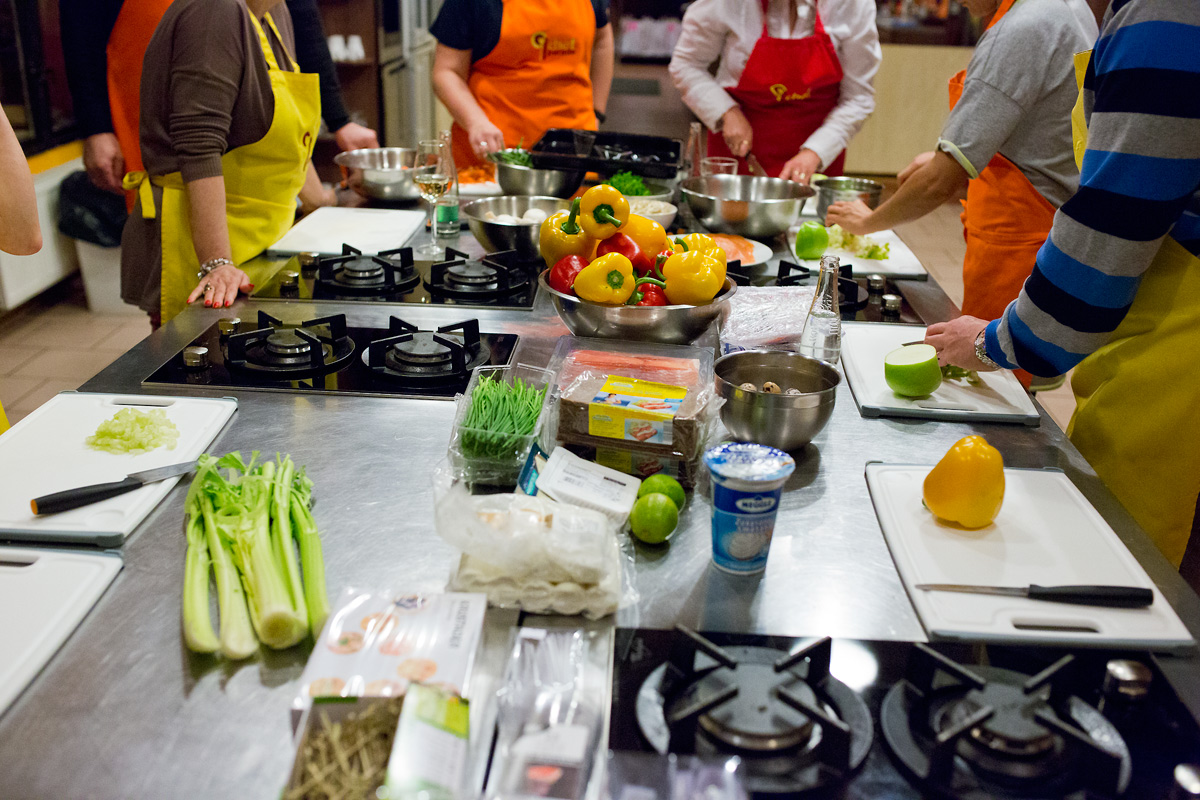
(381, 173)
(516, 179)
(662, 324)
(124, 711)
(785, 421)
(1126, 678)
(495, 236)
(743, 204)
(1187, 782)
(834, 190)
(195, 357)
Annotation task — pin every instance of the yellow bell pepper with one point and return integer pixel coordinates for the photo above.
(561, 236)
(693, 278)
(702, 243)
(647, 234)
(603, 209)
(608, 280)
(967, 485)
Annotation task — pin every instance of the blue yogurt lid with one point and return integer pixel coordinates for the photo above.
(749, 462)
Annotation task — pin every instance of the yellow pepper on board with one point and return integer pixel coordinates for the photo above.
(562, 236)
(608, 280)
(646, 234)
(967, 485)
(603, 209)
(693, 277)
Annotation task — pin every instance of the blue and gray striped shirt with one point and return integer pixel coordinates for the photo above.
(1140, 183)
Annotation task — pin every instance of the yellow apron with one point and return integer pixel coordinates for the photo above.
(262, 181)
(1137, 397)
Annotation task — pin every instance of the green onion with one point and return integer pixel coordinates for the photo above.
(515, 156)
(499, 418)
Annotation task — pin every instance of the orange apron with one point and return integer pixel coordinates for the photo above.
(126, 49)
(537, 77)
(1005, 222)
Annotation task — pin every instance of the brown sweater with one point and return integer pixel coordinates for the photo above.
(205, 91)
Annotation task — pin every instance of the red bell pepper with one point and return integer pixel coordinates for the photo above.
(620, 243)
(562, 274)
(649, 292)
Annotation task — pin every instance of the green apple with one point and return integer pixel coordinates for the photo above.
(817, 176)
(912, 370)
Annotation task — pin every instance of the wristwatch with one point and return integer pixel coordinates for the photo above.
(981, 350)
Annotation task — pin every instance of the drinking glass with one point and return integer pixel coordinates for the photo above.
(719, 165)
(431, 175)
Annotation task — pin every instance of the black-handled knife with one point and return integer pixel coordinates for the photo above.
(85, 495)
(1110, 596)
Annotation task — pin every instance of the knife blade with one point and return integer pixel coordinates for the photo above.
(755, 167)
(85, 495)
(1109, 596)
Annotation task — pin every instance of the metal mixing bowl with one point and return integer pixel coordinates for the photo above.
(381, 173)
(515, 179)
(833, 190)
(496, 236)
(785, 421)
(663, 324)
(744, 205)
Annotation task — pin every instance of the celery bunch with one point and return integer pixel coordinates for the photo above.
(244, 524)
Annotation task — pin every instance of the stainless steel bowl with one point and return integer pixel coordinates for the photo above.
(663, 324)
(833, 190)
(515, 179)
(495, 236)
(745, 205)
(381, 173)
(785, 421)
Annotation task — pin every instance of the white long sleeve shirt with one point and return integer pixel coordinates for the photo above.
(729, 29)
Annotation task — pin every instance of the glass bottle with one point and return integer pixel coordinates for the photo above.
(446, 211)
(821, 337)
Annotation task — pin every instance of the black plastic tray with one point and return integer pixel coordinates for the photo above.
(649, 156)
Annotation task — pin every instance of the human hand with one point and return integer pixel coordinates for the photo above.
(921, 160)
(220, 287)
(853, 217)
(801, 166)
(736, 130)
(485, 138)
(353, 136)
(955, 342)
(104, 162)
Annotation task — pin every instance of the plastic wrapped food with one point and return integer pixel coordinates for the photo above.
(765, 317)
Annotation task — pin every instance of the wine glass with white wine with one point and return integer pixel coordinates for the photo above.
(432, 177)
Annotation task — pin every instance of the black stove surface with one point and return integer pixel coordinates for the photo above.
(326, 356)
(498, 280)
(1040, 726)
(857, 302)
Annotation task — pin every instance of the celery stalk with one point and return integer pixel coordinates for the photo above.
(198, 631)
(281, 531)
(304, 528)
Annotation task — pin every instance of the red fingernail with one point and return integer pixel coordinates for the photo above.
(252, 286)
(207, 304)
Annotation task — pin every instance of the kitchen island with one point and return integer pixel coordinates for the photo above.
(125, 711)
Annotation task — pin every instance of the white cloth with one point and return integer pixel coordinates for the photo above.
(729, 29)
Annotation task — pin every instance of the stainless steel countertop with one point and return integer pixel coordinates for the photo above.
(125, 711)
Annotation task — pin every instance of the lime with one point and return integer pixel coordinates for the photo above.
(912, 370)
(653, 518)
(663, 484)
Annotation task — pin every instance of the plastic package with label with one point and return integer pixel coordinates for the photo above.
(766, 317)
(532, 553)
(650, 776)
(551, 709)
(656, 397)
(632, 458)
(376, 643)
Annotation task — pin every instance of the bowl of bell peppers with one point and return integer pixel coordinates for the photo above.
(617, 275)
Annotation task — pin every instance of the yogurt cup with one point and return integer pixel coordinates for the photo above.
(747, 482)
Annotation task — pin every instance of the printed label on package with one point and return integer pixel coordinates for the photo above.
(635, 410)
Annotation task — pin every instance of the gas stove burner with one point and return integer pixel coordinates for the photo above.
(987, 732)
(494, 277)
(410, 356)
(796, 727)
(789, 274)
(390, 272)
(287, 351)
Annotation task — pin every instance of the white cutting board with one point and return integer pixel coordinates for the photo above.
(864, 345)
(1046, 533)
(45, 452)
(45, 594)
(900, 263)
(369, 229)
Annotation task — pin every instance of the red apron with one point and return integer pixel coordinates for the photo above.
(1005, 222)
(126, 49)
(786, 91)
(537, 77)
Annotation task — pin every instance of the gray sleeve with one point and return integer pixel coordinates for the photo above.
(980, 123)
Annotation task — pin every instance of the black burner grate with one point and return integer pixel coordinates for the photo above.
(353, 273)
(278, 349)
(494, 277)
